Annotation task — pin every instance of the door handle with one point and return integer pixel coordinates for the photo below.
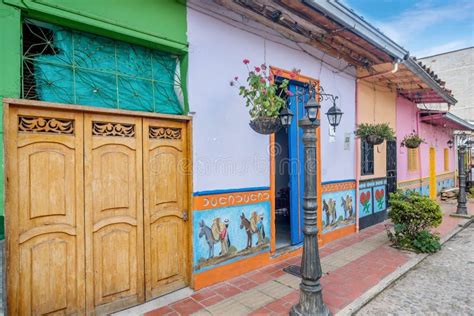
(185, 215)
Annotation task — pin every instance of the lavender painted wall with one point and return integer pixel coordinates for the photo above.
(435, 136)
(227, 153)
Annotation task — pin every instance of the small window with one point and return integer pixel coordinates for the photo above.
(446, 159)
(413, 159)
(367, 161)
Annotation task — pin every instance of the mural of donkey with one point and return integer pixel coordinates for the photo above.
(206, 231)
(244, 222)
(346, 204)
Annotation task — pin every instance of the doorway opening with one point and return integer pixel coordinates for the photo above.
(282, 190)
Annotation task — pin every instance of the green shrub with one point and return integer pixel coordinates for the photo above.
(413, 215)
(470, 194)
(426, 242)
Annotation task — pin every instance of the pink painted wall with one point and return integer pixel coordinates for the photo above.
(434, 136)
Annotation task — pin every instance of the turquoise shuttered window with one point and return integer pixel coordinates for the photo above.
(66, 66)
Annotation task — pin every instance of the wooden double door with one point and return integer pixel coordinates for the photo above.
(96, 210)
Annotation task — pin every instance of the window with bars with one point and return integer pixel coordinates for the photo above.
(412, 159)
(367, 155)
(67, 66)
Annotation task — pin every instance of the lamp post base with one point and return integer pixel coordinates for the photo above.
(296, 310)
(311, 301)
(461, 209)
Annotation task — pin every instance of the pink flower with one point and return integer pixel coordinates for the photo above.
(289, 93)
(257, 69)
(270, 77)
(264, 91)
(264, 67)
(262, 80)
(246, 61)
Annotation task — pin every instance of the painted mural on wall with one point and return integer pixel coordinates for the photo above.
(380, 199)
(372, 197)
(421, 186)
(365, 200)
(223, 235)
(338, 209)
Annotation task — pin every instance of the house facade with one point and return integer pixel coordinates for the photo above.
(130, 167)
(94, 127)
(241, 176)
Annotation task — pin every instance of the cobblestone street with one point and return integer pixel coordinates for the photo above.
(442, 284)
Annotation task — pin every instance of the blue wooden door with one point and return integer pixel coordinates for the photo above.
(296, 103)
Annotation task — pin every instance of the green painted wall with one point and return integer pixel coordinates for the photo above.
(10, 77)
(159, 24)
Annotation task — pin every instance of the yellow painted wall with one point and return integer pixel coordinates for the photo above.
(376, 104)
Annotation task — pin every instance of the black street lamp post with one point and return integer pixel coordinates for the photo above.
(311, 297)
(462, 208)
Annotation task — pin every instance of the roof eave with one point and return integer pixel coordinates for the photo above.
(345, 16)
(414, 67)
(459, 121)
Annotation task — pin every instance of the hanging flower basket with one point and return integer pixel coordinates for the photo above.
(412, 141)
(265, 125)
(374, 139)
(265, 95)
(375, 134)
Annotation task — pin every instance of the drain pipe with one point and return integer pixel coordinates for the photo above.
(392, 71)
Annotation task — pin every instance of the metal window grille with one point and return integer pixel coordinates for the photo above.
(367, 161)
(67, 66)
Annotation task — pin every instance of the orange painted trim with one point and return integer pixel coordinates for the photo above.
(290, 75)
(234, 269)
(206, 202)
(272, 194)
(338, 233)
(340, 186)
(319, 187)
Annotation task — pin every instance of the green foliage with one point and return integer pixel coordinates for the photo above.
(426, 242)
(263, 95)
(413, 215)
(470, 194)
(412, 140)
(382, 130)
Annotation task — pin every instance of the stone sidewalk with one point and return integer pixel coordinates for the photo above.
(351, 267)
(441, 284)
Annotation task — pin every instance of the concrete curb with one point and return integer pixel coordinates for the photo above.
(365, 298)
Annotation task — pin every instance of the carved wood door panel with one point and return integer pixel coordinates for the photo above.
(44, 212)
(113, 212)
(165, 169)
(96, 211)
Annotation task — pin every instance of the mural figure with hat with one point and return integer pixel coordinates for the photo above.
(220, 232)
(224, 237)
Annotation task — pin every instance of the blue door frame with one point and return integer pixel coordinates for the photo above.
(296, 104)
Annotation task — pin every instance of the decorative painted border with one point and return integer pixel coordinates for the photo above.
(415, 183)
(363, 184)
(335, 186)
(206, 202)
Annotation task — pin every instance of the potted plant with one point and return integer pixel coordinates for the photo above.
(412, 140)
(375, 134)
(264, 96)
